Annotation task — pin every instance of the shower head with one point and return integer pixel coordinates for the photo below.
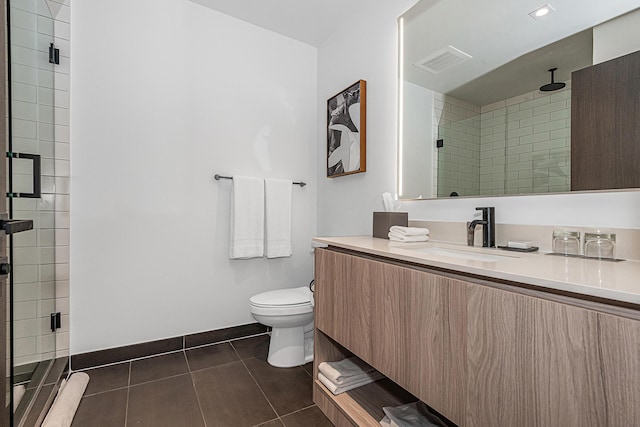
(549, 87)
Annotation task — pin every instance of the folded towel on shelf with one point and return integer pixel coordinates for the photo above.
(278, 217)
(402, 238)
(337, 389)
(356, 378)
(410, 415)
(345, 370)
(409, 231)
(246, 234)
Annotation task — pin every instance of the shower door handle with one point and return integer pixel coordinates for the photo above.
(5, 267)
(37, 187)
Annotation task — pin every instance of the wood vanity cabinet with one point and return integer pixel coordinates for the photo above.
(407, 324)
(479, 354)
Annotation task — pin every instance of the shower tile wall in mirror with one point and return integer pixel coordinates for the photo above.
(516, 146)
(500, 134)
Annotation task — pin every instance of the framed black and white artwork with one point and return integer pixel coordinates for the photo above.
(346, 131)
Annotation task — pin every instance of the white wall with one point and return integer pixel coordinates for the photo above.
(365, 48)
(416, 180)
(165, 93)
(368, 50)
(616, 209)
(617, 37)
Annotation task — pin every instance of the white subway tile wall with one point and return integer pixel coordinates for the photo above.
(519, 145)
(40, 107)
(538, 142)
(458, 161)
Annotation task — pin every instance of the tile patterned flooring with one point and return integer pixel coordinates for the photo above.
(226, 384)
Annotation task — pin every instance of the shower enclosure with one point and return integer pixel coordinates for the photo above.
(520, 145)
(37, 190)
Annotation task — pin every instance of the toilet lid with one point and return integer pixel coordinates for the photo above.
(280, 297)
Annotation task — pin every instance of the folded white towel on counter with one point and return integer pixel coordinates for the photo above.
(277, 193)
(410, 415)
(409, 231)
(337, 389)
(246, 236)
(402, 238)
(344, 370)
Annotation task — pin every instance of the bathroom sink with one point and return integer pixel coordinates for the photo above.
(465, 255)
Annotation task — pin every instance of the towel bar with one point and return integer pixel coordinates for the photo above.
(218, 177)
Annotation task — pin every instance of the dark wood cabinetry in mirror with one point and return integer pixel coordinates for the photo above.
(605, 119)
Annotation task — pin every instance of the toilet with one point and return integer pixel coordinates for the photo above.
(289, 312)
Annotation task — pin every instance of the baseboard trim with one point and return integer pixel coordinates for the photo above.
(150, 348)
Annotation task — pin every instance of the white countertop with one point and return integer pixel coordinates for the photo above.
(619, 281)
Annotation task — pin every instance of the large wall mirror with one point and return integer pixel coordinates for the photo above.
(481, 113)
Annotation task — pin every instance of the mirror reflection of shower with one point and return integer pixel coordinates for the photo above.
(498, 137)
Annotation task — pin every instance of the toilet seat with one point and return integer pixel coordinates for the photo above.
(282, 301)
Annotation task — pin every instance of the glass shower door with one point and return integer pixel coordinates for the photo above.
(32, 344)
(458, 145)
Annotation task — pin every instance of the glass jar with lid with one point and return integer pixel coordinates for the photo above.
(599, 245)
(566, 242)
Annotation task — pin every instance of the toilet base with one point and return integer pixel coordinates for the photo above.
(308, 349)
(289, 347)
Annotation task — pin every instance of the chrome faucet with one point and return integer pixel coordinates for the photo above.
(488, 223)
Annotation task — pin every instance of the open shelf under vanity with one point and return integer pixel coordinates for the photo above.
(361, 406)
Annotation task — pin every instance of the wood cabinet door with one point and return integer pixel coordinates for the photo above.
(533, 362)
(343, 302)
(499, 343)
(566, 366)
(619, 345)
(418, 335)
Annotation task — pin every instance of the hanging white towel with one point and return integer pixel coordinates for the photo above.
(278, 217)
(246, 236)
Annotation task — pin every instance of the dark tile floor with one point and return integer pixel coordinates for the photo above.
(227, 384)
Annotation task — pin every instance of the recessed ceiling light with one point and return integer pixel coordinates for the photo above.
(543, 10)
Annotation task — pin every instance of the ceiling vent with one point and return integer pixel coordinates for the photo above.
(443, 59)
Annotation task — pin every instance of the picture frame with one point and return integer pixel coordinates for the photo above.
(346, 131)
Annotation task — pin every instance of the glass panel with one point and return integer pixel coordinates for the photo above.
(460, 157)
(32, 298)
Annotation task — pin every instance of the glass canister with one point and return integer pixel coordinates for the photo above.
(599, 245)
(566, 242)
